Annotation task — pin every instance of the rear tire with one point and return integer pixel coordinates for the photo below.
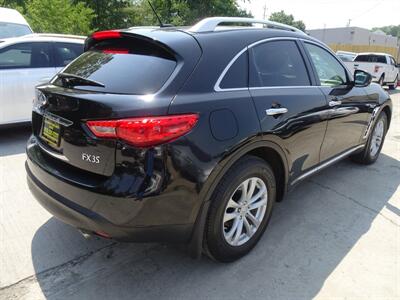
(375, 142)
(381, 80)
(394, 85)
(240, 209)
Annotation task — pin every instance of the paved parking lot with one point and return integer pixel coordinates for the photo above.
(337, 235)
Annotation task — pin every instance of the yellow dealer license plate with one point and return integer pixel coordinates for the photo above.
(51, 132)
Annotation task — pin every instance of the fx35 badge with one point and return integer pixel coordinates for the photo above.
(95, 159)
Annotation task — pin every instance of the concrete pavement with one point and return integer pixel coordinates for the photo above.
(336, 236)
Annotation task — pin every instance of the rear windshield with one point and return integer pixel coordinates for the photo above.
(123, 67)
(8, 30)
(371, 58)
(345, 58)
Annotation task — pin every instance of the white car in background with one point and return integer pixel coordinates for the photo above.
(383, 68)
(12, 24)
(346, 56)
(26, 62)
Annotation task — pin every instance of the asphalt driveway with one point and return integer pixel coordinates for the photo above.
(337, 235)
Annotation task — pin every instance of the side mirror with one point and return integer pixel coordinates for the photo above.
(362, 78)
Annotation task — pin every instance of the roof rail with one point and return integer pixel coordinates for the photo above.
(58, 35)
(210, 24)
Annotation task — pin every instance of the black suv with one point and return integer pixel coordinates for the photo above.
(191, 135)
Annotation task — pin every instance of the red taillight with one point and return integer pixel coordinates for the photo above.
(105, 35)
(115, 51)
(376, 70)
(145, 131)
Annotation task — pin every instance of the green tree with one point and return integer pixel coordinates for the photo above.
(183, 12)
(393, 30)
(109, 14)
(282, 17)
(13, 3)
(59, 16)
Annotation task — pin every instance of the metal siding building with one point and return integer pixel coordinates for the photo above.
(356, 39)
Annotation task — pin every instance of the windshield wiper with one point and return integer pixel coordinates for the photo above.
(74, 80)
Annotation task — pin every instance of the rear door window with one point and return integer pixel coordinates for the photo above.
(8, 30)
(124, 67)
(66, 52)
(277, 63)
(25, 55)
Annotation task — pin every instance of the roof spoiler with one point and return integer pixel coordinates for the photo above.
(100, 36)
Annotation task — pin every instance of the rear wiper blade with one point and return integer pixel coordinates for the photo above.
(74, 80)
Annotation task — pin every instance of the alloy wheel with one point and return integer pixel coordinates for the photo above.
(245, 211)
(377, 137)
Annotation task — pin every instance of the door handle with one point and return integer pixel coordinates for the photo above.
(333, 103)
(276, 111)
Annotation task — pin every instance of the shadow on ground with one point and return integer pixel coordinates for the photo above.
(394, 92)
(13, 139)
(310, 233)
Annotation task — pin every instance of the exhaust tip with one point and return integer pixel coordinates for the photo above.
(85, 234)
(103, 234)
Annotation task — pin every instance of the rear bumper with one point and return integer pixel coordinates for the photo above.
(94, 212)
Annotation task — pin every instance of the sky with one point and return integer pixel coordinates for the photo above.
(331, 13)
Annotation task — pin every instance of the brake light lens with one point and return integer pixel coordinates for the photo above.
(145, 131)
(376, 70)
(115, 51)
(105, 35)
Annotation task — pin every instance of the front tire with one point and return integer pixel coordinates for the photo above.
(375, 142)
(381, 80)
(240, 209)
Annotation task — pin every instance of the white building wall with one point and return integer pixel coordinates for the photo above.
(353, 36)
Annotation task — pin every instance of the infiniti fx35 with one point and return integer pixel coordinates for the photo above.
(191, 135)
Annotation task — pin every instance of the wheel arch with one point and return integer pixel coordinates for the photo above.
(388, 111)
(269, 151)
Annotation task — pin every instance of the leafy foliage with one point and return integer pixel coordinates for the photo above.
(393, 30)
(282, 17)
(85, 16)
(59, 16)
(108, 13)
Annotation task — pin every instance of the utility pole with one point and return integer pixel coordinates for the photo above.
(348, 23)
(265, 11)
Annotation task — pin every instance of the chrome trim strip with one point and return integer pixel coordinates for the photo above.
(371, 121)
(51, 153)
(327, 163)
(221, 77)
(58, 119)
(233, 60)
(283, 87)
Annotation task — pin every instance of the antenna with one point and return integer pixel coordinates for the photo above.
(154, 11)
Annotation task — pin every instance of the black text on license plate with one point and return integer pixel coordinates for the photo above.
(51, 132)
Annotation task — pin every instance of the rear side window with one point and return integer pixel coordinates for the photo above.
(25, 55)
(237, 75)
(8, 30)
(371, 58)
(66, 52)
(345, 58)
(123, 67)
(277, 63)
